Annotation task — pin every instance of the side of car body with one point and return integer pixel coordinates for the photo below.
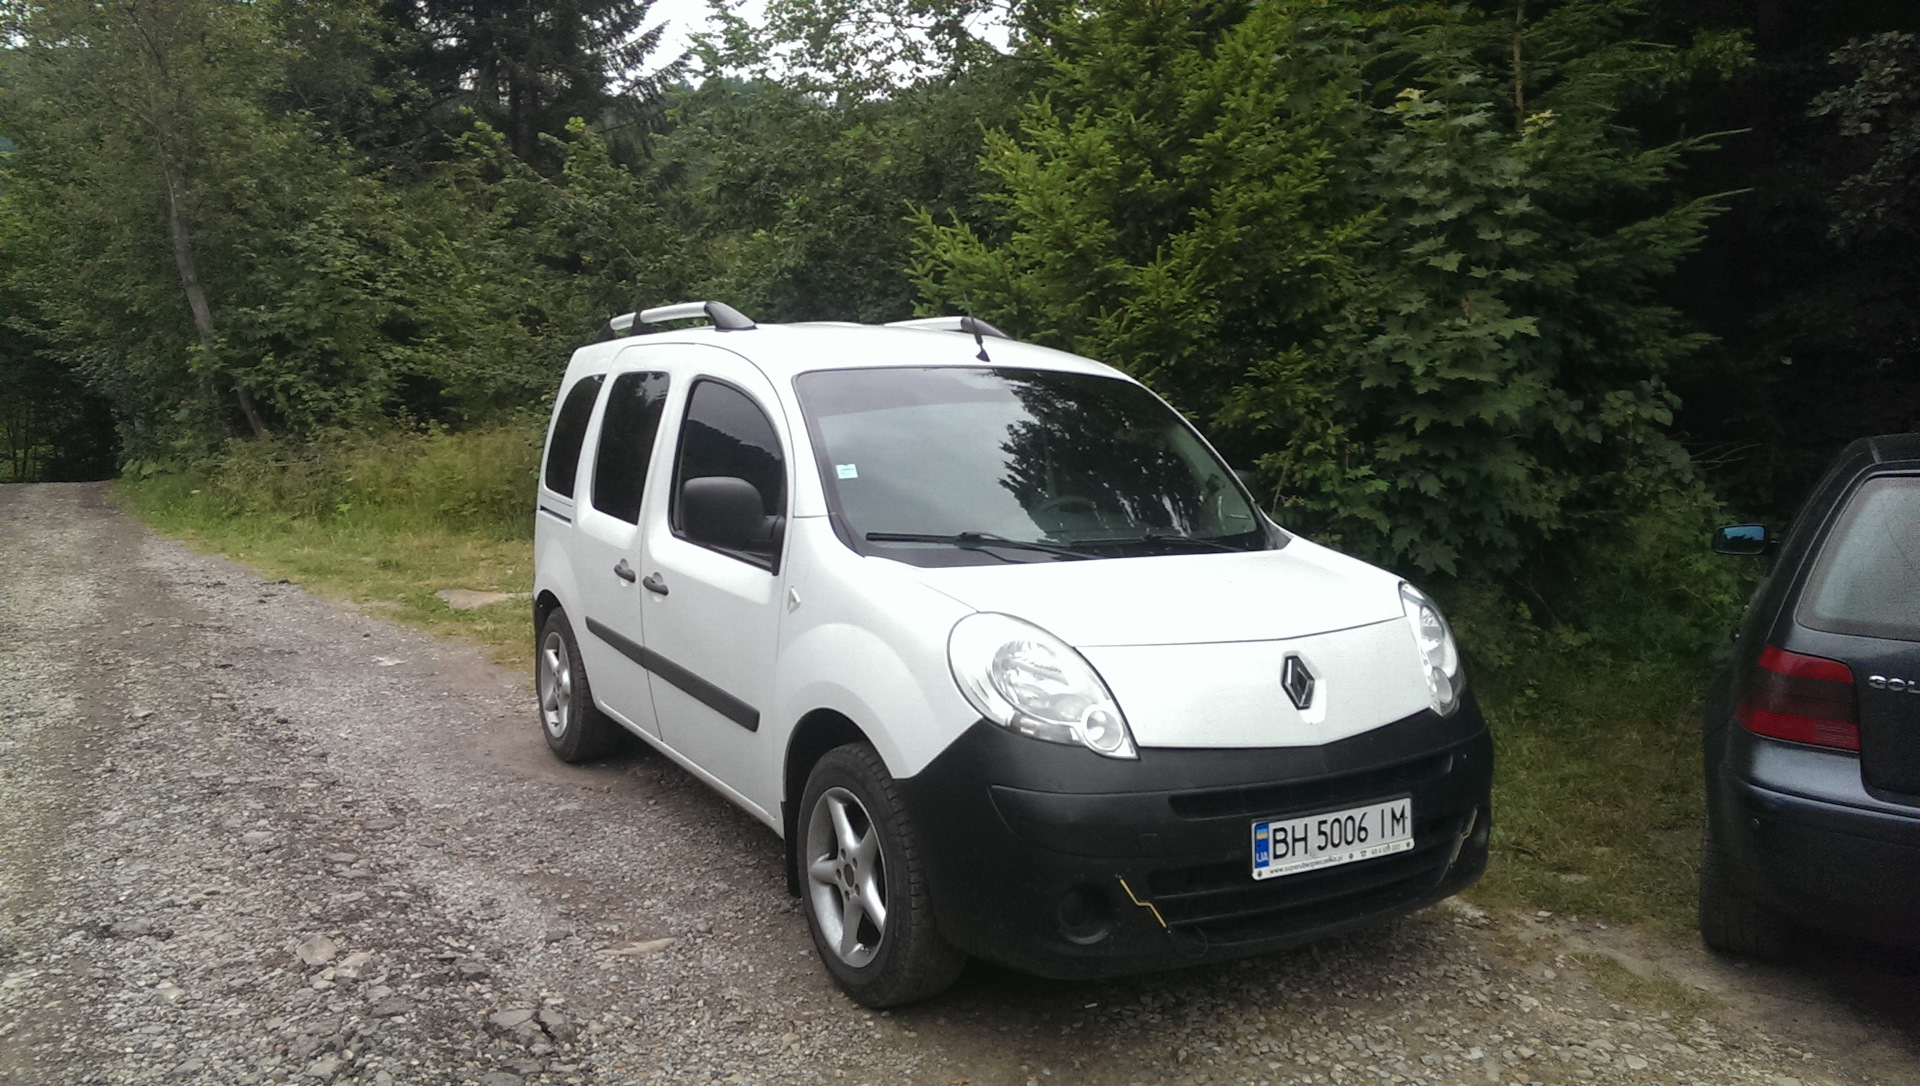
(1812, 743)
(805, 668)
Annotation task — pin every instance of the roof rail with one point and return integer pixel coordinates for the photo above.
(972, 326)
(722, 316)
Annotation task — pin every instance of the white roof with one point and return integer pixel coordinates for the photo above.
(782, 351)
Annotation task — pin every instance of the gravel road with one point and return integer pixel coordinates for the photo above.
(253, 835)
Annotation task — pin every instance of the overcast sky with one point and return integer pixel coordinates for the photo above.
(684, 18)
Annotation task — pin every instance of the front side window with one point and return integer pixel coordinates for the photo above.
(634, 404)
(726, 434)
(569, 432)
(944, 466)
(1868, 573)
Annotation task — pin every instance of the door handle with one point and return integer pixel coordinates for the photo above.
(653, 582)
(624, 571)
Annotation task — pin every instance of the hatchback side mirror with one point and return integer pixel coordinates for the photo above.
(722, 511)
(1742, 539)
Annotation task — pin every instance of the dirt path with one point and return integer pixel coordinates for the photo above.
(254, 836)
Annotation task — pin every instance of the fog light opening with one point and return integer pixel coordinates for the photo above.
(1084, 916)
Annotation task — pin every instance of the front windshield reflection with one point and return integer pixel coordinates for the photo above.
(1093, 464)
(1089, 463)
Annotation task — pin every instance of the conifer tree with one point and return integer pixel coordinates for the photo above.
(1402, 258)
(526, 67)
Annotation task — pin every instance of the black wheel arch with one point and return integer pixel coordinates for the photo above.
(817, 733)
(544, 604)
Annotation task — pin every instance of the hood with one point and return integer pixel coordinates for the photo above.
(1297, 591)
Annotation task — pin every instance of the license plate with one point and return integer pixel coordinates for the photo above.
(1289, 846)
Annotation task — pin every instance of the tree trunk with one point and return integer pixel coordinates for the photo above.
(196, 294)
(1519, 72)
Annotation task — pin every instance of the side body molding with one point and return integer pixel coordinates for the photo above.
(696, 687)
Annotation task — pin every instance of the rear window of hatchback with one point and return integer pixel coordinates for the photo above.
(1867, 580)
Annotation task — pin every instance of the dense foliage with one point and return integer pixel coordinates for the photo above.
(1410, 280)
(527, 67)
(1811, 282)
(1433, 270)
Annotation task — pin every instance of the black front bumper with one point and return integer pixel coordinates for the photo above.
(1056, 861)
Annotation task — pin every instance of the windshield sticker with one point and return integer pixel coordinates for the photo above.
(846, 471)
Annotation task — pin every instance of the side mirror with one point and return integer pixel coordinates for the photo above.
(722, 511)
(1742, 539)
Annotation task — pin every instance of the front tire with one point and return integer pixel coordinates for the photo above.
(864, 884)
(1730, 921)
(575, 728)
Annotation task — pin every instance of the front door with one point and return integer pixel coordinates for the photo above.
(713, 616)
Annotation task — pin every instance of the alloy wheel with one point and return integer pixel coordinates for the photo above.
(846, 877)
(556, 685)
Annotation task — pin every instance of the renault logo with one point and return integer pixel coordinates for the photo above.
(1297, 681)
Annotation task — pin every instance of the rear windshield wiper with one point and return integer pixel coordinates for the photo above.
(974, 541)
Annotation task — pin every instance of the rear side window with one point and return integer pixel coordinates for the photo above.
(1868, 575)
(726, 433)
(626, 443)
(569, 431)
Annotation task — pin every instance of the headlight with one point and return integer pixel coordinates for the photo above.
(1025, 679)
(1439, 656)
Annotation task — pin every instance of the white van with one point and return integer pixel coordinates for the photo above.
(997, 644)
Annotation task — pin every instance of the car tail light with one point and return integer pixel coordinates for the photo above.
(1802, 699)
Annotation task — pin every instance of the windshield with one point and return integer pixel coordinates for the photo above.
(1015, 465)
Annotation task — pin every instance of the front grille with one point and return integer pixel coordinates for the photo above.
(1258, 800)
(1221, 903)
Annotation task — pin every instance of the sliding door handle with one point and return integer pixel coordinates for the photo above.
(624, 571)
(653, 582)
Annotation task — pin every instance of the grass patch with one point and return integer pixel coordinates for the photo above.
(1657, 991)
(384, 523)
(1598, 801)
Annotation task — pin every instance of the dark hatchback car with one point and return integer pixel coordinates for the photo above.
(1813, 733)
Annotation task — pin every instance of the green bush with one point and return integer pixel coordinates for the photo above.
(1404, 259)
(1647, 593)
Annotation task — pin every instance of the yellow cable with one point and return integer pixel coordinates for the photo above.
(1147, 905)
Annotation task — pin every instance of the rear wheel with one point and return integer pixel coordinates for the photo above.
(576, 729)
(865, 888)
(1731, 921)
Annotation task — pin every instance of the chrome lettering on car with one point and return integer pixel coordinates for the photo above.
(1898, 686)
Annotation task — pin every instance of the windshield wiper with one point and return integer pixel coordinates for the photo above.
(974, 541)
(1149, 538)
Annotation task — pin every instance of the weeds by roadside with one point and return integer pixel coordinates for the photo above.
(1598, 802)
(384, 522)
(1592, 695)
